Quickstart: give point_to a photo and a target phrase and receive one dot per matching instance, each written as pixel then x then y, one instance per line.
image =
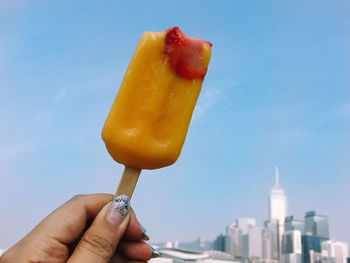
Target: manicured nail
pixel 144 232
pixel 155 253
pixel 119 209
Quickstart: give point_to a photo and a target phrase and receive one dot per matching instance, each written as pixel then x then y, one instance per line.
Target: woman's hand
pixel 88 228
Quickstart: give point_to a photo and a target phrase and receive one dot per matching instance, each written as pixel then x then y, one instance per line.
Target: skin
pixel 78 232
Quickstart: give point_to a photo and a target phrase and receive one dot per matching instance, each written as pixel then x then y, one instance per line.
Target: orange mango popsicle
pixel 148 121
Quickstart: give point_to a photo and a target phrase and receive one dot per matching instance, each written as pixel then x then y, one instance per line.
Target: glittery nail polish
pixel 119 209
pixel 155 253
pixel 144 232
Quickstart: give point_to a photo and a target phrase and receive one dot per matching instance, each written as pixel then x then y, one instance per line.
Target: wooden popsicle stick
pixel 128 181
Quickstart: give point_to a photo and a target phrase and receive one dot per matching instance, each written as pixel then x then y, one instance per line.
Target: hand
pixel 88 228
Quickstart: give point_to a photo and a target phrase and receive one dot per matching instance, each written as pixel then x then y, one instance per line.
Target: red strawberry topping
pixel 184 54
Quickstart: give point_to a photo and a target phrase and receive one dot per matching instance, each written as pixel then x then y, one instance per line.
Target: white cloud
pixel 205 102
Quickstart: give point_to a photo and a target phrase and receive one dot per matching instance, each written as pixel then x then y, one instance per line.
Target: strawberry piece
pixel 184 54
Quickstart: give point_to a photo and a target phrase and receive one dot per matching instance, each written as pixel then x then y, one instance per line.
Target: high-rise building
pixel 316 225
pixel 278 205
pixel 271 246
pixel 334 251
pixel 294 224
pixel 311 249
pixel 219 243
pixel 266 245
pixel 252 243
pixel 316 231
pixel 249 238
pixel 291 247
pixel 233 243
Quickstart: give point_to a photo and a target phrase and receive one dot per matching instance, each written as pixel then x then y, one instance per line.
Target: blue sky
pixel 276 93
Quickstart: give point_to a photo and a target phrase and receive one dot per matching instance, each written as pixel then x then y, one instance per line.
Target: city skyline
pixel 287 240
pixel 290 222
pixel 276 92
pixel 278 192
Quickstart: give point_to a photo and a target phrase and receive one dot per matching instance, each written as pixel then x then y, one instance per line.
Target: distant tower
pixel 278 203
pixel 278 207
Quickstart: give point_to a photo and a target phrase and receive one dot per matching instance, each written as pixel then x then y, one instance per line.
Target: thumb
pixel 99 242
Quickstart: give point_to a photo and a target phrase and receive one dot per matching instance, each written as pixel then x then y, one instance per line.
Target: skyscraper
pixel 252 243
pixel 291 247
pixel 219 243
pixel 316 231
pixel 311 249
pixel 278 202
pixel 334 251
pixel 316 225
pixel 278 207
pixel 233 244
pixel 271 247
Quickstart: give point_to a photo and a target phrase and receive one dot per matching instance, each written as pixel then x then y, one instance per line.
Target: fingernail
pixel 155 253
pixel 119 209
pixel 144 232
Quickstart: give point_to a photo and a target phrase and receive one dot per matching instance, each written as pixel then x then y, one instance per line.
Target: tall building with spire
pixel 278 207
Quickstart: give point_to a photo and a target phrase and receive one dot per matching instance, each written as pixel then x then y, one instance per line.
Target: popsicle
pixel 148 121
